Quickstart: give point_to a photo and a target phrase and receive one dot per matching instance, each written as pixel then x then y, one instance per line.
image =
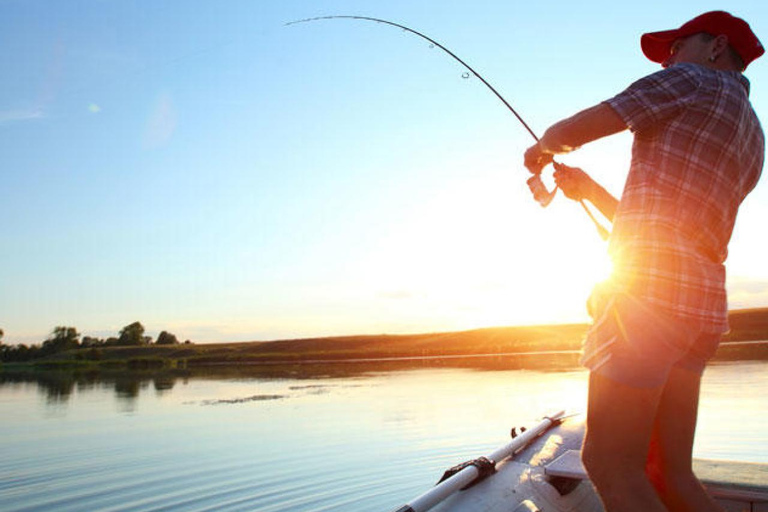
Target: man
pixel 698 151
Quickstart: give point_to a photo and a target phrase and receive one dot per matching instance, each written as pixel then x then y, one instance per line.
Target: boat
pixel 540 470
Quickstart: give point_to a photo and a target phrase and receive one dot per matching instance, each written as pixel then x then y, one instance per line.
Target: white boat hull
pixel 547 476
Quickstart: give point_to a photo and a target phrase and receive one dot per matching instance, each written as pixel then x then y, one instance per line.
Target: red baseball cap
pixel 656 45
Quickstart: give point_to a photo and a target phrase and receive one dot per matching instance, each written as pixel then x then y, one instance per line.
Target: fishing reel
pixel 544 197
pixel 539 190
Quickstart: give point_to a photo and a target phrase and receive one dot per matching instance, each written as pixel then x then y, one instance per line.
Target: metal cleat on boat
pixel 527 506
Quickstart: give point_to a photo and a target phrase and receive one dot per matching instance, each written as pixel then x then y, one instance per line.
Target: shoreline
pixel 749 350
pixel 748 339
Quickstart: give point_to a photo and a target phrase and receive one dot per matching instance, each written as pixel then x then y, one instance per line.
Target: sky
pixel 205 169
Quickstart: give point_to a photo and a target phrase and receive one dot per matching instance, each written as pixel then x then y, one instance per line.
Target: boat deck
pixel 737 486
pixel 547 476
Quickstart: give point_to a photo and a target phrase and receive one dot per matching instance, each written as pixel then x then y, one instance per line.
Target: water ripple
pixel 359 448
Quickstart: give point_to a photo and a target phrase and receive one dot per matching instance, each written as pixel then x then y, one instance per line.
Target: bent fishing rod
pixel 540 193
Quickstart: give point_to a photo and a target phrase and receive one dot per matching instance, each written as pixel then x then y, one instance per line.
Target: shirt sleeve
pixel 656 98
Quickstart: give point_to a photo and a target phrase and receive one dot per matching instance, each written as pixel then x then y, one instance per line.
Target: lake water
pixel 339 437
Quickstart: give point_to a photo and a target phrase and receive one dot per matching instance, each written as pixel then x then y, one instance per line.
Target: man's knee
pixel 589 455
pixel 596 460
pixel 607 467
pixel 657 475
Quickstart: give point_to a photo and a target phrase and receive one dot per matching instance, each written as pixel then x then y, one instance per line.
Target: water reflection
pixel 58 386
pixel 164 383
pixel 56 390
pixel 122 434
pixel 128 385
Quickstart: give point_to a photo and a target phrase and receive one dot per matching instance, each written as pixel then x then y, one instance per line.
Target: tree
pixel 111 342
pixel 3 348
pixel 166 338
pixel 62 338
pixel 20 353
pixel 132 334
pixel 90 341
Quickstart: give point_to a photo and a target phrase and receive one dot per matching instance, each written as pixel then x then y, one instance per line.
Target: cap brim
pixel 656 45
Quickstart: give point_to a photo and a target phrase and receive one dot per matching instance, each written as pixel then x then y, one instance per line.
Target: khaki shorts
pixel 633 343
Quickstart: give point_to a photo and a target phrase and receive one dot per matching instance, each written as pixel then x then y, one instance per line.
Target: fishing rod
pixel 537 187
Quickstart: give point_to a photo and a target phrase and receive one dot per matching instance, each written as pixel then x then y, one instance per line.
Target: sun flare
pixel 478 266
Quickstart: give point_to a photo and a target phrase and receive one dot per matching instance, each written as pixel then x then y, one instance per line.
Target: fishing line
pixel 540 193
pixel 431 41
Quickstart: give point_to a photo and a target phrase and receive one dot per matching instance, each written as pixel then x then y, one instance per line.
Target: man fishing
pixel 698 150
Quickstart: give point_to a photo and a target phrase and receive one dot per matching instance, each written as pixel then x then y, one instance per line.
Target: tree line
pixel 64 338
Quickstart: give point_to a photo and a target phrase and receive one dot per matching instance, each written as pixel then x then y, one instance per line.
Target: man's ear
pixel 719 46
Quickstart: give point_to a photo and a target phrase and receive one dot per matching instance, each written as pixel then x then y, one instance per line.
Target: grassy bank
pixel 746 325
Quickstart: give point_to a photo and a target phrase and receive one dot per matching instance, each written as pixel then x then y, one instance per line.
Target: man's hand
pixel 537 158
pixel 575 183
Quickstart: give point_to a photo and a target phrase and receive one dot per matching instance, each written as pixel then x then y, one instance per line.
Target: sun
pixel 495 261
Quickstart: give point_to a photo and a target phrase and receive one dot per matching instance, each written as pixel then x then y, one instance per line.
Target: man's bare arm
pixel 604 201
pixel 569 134
pixel 586 126
pixel 578 185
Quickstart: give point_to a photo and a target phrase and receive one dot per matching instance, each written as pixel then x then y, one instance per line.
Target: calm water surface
pixel 343 437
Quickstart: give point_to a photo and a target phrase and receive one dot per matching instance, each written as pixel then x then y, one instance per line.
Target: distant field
pixel 746 325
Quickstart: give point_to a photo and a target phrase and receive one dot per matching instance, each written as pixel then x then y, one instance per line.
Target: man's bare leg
pixel 670 457
pixel 620 421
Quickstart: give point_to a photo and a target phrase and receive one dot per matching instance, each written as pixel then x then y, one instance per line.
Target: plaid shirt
pixel 698 151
